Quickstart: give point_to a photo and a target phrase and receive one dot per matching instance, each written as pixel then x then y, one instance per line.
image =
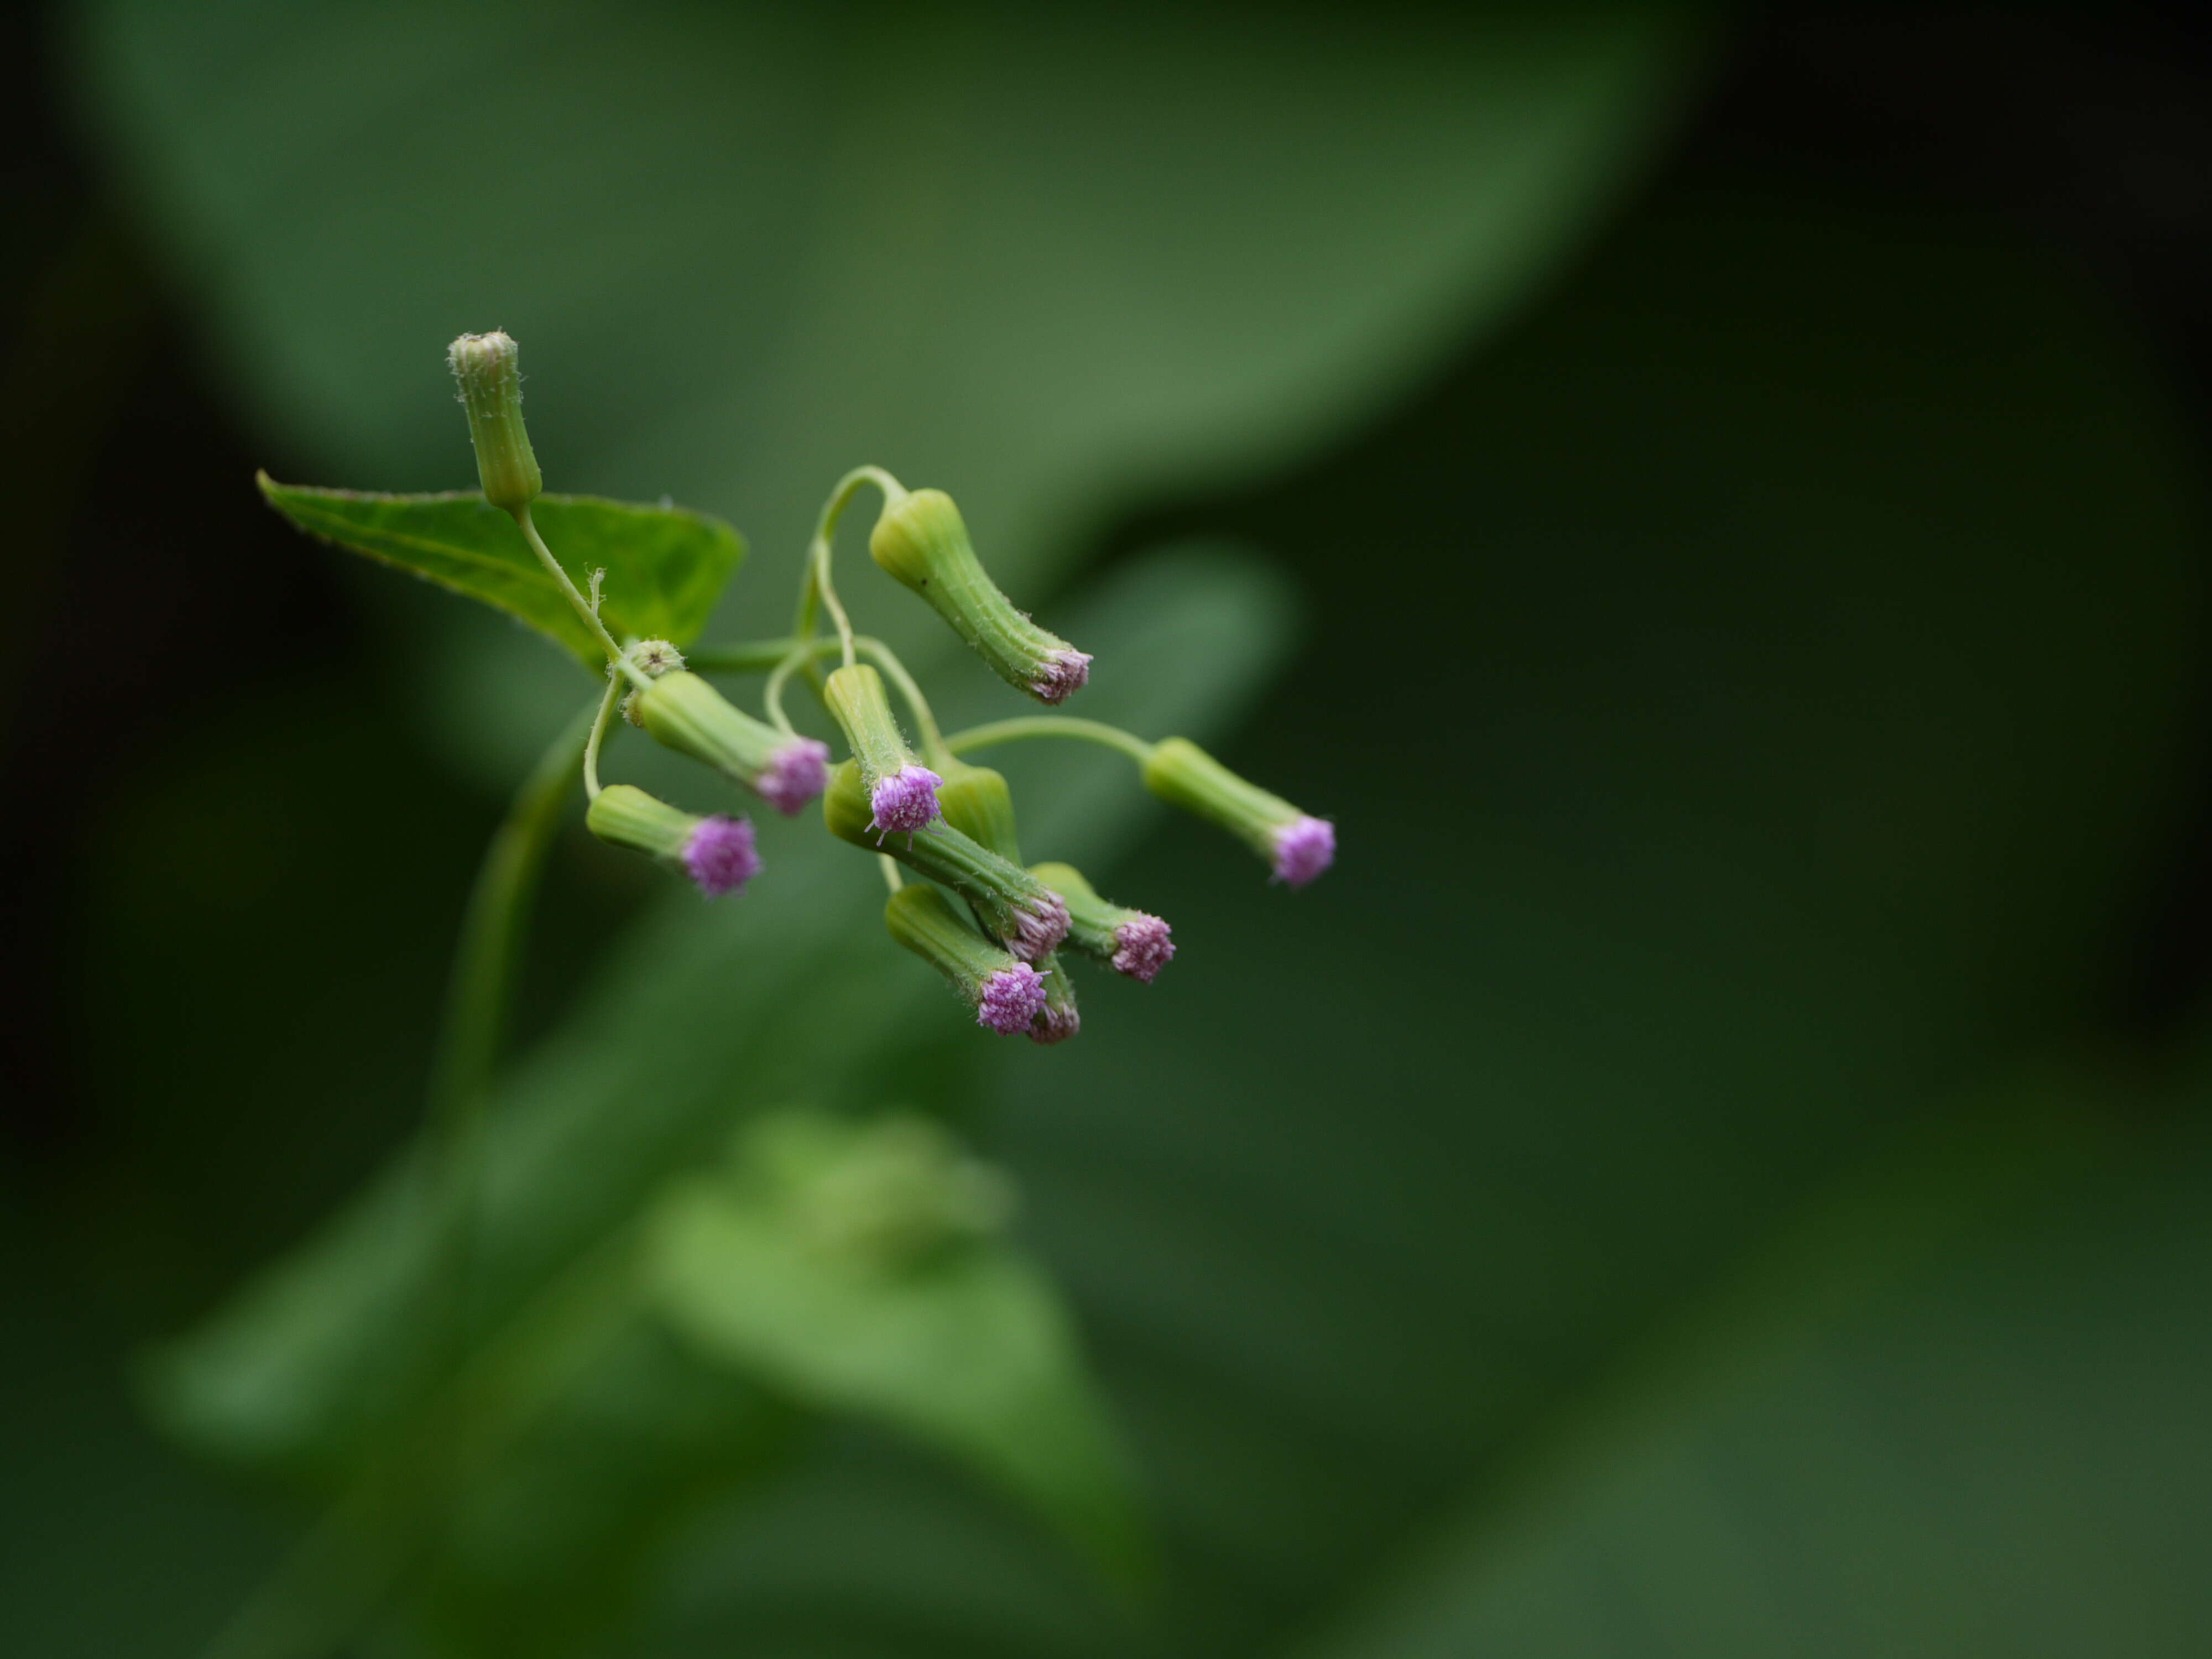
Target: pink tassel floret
pixel 1062 674
pixel 1055 1025
pixel 797 773
pixel 906 800
pixel 1142 948
pixel 1012 997
pixel 720 856
pixel 1039 926
pixel 1303 849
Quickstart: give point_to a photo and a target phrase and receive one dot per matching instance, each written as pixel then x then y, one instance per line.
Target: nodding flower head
pixel 717 853
pixel 922 540
pixel 1064 672
pixel 1303 849
pixel 1142 946
pixel 797 773
pixel 1027 917
pixel 1012 997
pixel 901 791
pixel 905 799
pixel 1058 1018
pixel 1006 995
pixel 1128 941
pixel 1297 845
pixel 684 712
pixel 486 366
pixel 720 856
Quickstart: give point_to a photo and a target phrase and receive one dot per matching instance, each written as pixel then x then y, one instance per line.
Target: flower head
pixel 1012 997
pixel 1303 849
pixel 904 800
pixel 1142 946
pixel 1040 922
pixel 797 773
pixel 720 856
pixel 1063 673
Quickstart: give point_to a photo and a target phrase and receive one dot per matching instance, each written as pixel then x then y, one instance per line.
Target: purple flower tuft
pixel 906 800
pixel 796 774
pixel 1054 1024
pixel 1143 947
pixel 720 856
pixel 1062 674
pixel 1012 997
pixel 1039 927
pixel 1303 849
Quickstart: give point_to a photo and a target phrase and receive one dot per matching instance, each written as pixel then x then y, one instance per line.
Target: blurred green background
pixel 1711 505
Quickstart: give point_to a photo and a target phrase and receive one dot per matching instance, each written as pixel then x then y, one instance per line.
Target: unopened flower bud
pixel 491 391
pixel 976 801
pixel 901 791
pixel 1023 913
pixel 716 853
pixel 1007 994
pixel 653 658
pixel 921 541
pixel 1297 847
pixel 1059 1019
pixel 684 712
pixel 1128 941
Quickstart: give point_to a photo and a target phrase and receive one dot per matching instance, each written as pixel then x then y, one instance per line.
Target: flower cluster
pixel 999 929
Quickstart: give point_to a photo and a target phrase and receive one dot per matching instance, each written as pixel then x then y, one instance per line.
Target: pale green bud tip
pixel 486 366
pixel 922 540
pixel 1297 845
pixel 652 658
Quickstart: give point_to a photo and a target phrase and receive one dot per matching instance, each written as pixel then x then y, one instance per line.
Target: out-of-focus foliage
pixel 1604 1216
pixel 664 566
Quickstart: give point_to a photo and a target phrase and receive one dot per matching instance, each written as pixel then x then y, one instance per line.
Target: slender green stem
pixel 598 736
pixel 584 610
pixel 933 740
pixel 744 657
pixel 1050 725
pixel 892 878
pixel 818 583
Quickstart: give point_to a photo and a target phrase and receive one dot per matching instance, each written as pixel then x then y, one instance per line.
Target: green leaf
pixel 665 565
pixel 946 1334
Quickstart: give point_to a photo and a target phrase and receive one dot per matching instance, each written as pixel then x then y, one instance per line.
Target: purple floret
pixel 1012 997
pixel 1054 1024
pixel 1062 674
pixel 797 773
pixel 1303 849
pixel 720 856
pixel 1143 947
pixel 1039 927
pixel 906 800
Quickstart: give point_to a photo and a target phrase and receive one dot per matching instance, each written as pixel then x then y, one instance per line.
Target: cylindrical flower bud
pixel 1297 847
pixel 1059 1019
pixel 491 391
pixel 1128 941
pixel 1027 917
pixel 685 713
pixel 901 791
pixel 1007 995
pixel 921 540
pixel 976 801
pixel 716 853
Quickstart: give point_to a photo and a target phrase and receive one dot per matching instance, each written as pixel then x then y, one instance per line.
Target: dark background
pixel 235 678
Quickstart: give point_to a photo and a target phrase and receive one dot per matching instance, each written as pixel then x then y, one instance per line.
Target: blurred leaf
pixel 1960 1411
pixel 664 566
pixel 835 1264
pixel 1041 256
